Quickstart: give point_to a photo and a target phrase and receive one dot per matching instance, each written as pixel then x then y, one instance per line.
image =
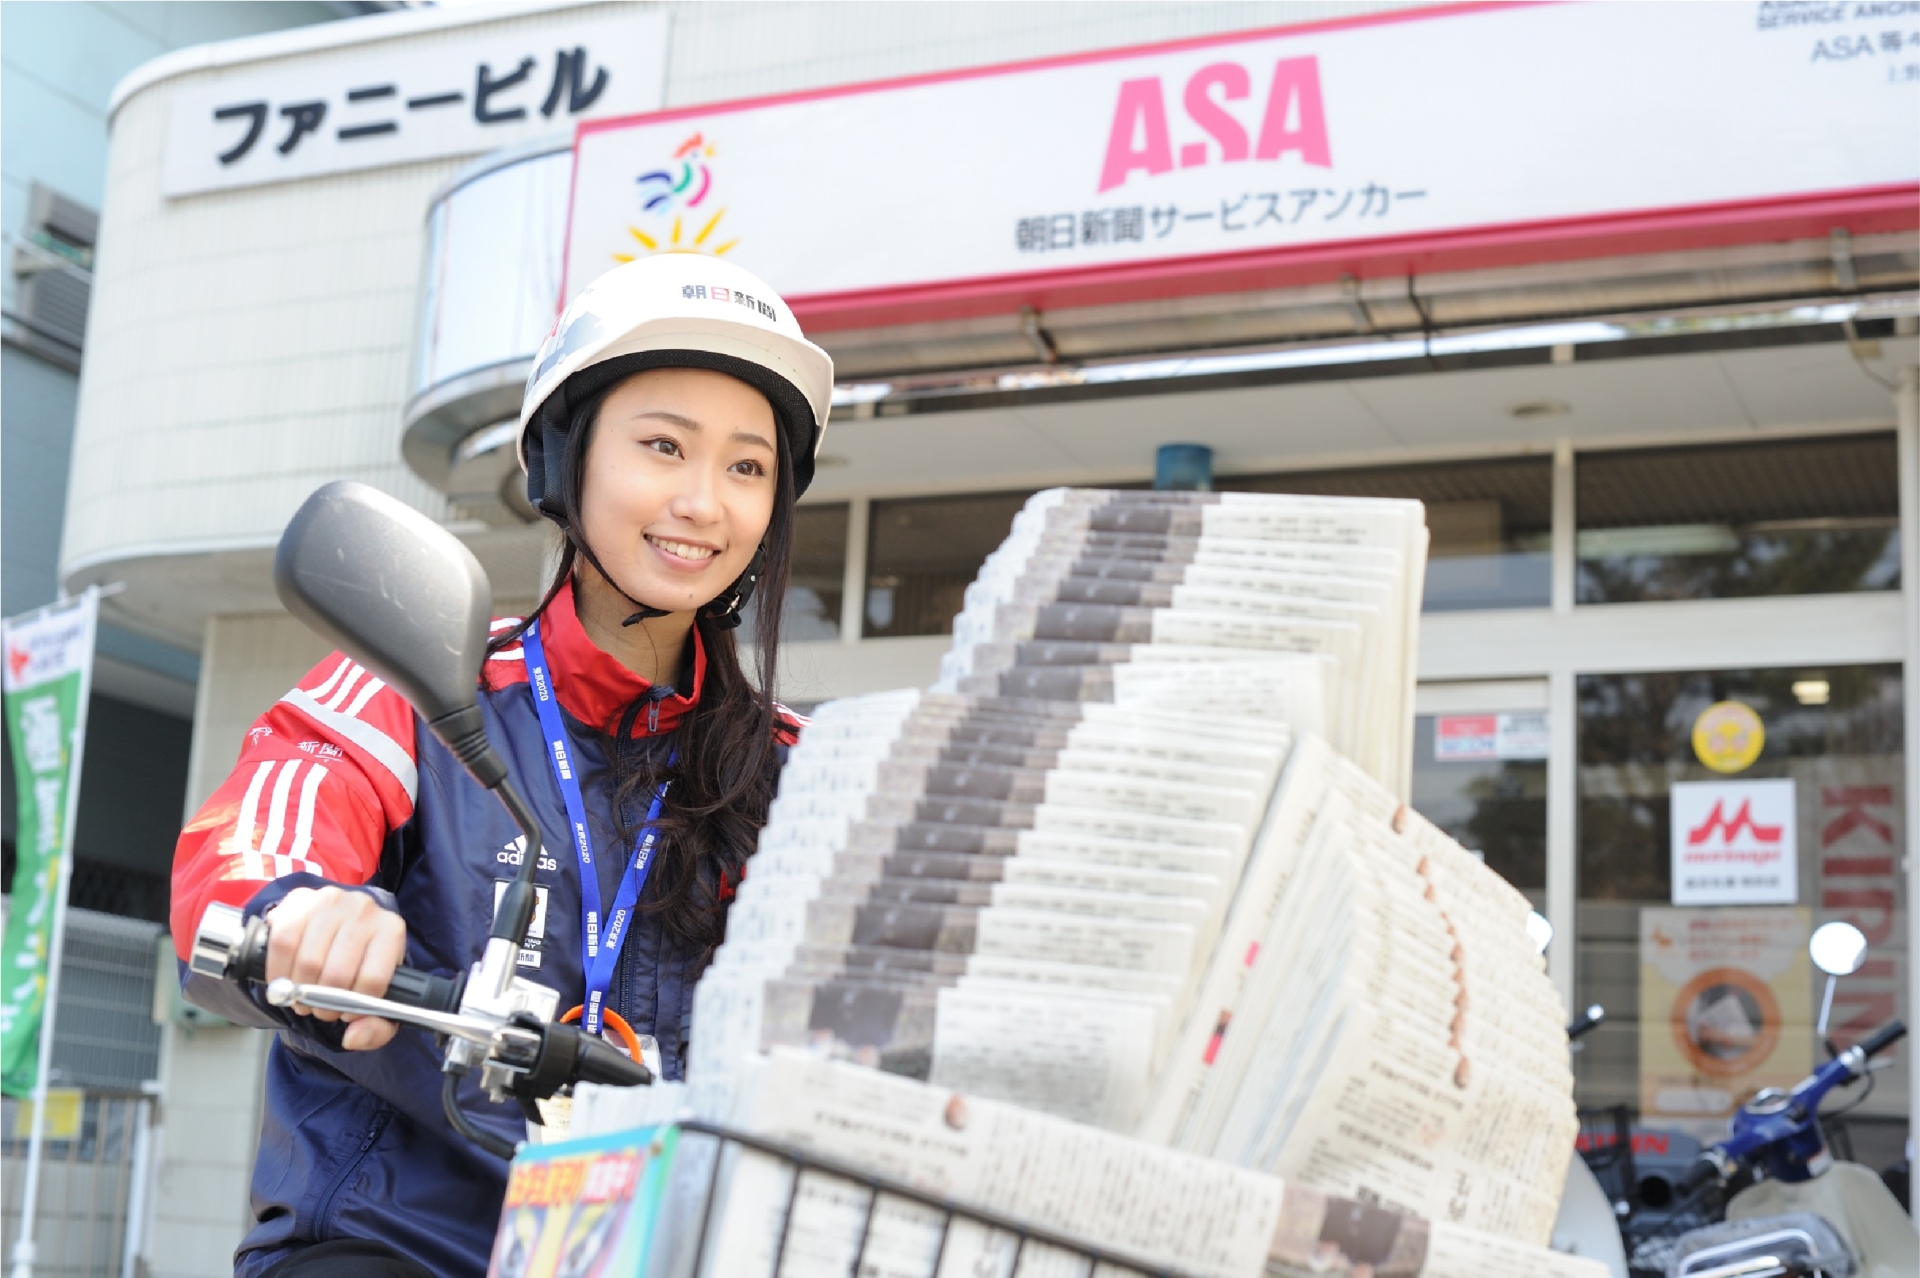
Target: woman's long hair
pixel 726 756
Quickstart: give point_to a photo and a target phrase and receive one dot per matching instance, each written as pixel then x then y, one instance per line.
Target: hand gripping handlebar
pixel 523 1052
pixel 230 947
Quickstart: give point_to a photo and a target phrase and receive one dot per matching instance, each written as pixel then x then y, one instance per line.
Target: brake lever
pixel 330 998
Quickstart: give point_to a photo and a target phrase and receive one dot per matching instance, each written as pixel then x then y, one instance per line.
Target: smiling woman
pixel 668 432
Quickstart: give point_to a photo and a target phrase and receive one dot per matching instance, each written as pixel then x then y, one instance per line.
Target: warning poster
pixel 1725 1010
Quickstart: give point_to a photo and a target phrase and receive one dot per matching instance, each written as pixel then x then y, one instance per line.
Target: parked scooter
pixel 1588 1222
pixel 1808 1215
pixel 407 601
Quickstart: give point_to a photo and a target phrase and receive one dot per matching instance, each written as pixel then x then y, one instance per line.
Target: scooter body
pixel 1866 1215
pixel 1586 1225
pixel 1807 1214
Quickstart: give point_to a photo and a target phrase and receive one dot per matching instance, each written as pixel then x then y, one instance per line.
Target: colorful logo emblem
pixel 675 197
pixel 1728 736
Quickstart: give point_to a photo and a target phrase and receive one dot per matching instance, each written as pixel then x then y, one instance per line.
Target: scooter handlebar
pixel 234 948
pixel 1889 1034
pixel 1698 1175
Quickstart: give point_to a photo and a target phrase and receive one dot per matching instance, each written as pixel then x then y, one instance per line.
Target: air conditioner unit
pixel 53 264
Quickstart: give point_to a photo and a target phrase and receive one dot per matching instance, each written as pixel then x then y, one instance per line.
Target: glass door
pixel 1480 773
pixel 1723 814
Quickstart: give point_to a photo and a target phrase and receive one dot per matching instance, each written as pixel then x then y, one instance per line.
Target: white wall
pixel 209 1124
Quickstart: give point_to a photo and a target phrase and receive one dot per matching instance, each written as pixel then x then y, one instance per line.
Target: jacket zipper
pixel 373 1135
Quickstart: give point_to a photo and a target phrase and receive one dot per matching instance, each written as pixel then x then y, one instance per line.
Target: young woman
pixel 670 424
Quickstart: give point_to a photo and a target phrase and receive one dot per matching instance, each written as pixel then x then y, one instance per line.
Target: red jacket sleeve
pixel 325 775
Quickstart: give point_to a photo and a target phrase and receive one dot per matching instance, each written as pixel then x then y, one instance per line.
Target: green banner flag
pixel 48 660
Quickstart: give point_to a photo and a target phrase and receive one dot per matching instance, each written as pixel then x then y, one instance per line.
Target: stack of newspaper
pixel 1014 896
pixel 1375 1021
pixel 1153 578
pixel 1141 860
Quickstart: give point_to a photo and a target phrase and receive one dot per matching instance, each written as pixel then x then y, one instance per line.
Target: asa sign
pixel 1294 119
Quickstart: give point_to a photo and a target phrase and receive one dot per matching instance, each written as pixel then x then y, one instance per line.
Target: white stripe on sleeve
pixel 333 678
pixel 242 839
pixel 277 808
pixel 346 686
pixel 303 822
pixel 365 695
pixel 390 754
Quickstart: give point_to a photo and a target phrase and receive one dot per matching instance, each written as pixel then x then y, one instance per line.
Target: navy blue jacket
pixel 340 783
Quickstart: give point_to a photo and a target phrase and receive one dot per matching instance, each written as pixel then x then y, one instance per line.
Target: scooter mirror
pixel 392 589
pixel 1838 949
pixel 1539 931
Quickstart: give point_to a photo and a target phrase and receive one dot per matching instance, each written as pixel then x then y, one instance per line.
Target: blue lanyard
pixel 599 948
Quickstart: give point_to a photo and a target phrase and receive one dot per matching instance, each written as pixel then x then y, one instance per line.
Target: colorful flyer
pixel 1725 1010
pixel 584 1208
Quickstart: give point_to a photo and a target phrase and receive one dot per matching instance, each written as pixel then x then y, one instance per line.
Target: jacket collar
pixel 596 689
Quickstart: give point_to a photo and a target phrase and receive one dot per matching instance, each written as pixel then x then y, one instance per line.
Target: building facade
pixel 59 64
pixel 1665 429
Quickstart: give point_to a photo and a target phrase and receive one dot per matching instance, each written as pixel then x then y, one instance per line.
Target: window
pixel 924 552
pixel 1491 523
pixel 1707 1002
pixel 1797 517
pixel 1483 779
pixel 816 578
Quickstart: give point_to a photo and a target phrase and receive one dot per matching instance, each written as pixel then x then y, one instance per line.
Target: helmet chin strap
pixel 723 611
pixel 644 611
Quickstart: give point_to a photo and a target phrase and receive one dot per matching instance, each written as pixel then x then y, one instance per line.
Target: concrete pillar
pixel 1907 410
pixel 209 1124
pixel 211 1076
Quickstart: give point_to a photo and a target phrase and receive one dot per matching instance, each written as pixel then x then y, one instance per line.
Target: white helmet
pixel 673 310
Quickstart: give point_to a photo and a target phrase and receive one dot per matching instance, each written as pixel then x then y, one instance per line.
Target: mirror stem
pixel 1826 1009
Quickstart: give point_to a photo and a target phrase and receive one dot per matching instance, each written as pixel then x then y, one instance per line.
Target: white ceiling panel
pixel 1244 426
pixel 938 451
pixel 1809 385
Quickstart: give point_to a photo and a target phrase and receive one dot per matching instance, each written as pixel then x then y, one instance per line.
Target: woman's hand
pixel 329 936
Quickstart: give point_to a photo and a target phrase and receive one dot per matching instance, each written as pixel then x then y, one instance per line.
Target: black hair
pixel 727 758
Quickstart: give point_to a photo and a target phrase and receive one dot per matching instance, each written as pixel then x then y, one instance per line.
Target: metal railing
pixel 92 1186
pixel 1086 1257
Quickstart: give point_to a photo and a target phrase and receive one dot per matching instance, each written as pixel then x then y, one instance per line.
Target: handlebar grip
pixel 1587 1020
pixel 599 1062
pixel 424 990
pixel 410 987
pixel 1697 1175
pixel 1889 1034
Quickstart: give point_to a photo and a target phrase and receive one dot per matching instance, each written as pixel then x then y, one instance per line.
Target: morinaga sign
pixel 422 96
pixel 1447 137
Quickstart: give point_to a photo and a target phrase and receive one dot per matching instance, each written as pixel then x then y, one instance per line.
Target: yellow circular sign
pixel 1728 736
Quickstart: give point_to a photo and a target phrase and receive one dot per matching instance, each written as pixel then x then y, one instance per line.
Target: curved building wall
pixel 244 347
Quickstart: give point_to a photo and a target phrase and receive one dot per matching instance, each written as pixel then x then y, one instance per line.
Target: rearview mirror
pixel 1838 949
pixel 390 588
pixel 1539 931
